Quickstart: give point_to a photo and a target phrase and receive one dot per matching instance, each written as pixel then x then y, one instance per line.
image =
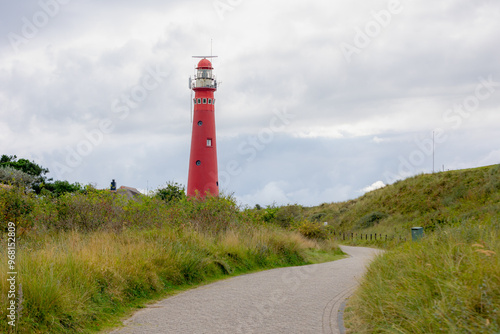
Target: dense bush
pixel 318 217
pixel 92 210
pixel 12 176
pixel 172 193
pixel 213 214
pixel 89 212
pixel 370 219
pixel 312 230
pixel 58 188
pixel 16 206
pixel 269 214
pixel 289 215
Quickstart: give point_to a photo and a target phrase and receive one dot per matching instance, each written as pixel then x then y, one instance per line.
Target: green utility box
pixel 417 233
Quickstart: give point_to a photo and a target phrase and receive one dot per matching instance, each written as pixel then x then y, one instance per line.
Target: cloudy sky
pixel 319 100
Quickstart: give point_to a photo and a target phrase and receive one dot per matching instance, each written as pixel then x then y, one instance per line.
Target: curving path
pixel 301 300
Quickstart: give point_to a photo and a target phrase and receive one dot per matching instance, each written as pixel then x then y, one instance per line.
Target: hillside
pixel 449 281
pixel 426 200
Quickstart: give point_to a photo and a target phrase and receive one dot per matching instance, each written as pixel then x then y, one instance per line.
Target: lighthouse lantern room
pixel 203 175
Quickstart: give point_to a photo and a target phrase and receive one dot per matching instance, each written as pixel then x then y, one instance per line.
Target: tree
pixel 27 167
pixel 23 165
pixel 29 174
pixel 173 192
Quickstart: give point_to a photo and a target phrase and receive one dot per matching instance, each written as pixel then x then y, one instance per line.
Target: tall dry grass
pixel 84 260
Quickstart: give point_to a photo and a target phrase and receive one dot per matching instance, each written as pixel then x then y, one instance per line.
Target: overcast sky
pixel 319 100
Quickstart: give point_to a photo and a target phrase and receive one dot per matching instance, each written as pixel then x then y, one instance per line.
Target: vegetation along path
pixel 302 299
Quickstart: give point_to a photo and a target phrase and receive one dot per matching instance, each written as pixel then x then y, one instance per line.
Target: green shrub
pixel 172 193
pixel 318 216
pixel 58 188
pixel 212 214
pixel 269 215
pixel 370 219
pixel 16 205
pixel 312 230
pixel 93 211
pixel 289 215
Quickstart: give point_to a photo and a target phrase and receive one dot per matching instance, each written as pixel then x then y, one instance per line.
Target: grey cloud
pixel 64 82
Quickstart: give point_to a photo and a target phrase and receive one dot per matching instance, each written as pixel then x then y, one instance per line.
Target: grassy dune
pixel 86 260
pixel 428 200
pixel 449 282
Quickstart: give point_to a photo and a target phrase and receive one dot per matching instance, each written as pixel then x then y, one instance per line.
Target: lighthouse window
pixel 213 101
pixel 198 162
pixel 199 101
pixel 200 123
pixel 194 100
pixel 209 101
pixel 204 101
pixel 209 142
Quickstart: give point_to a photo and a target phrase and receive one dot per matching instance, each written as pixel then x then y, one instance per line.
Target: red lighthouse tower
pixel 203 176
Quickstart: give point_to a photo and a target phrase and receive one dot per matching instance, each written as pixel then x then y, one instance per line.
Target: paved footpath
pixel 301 300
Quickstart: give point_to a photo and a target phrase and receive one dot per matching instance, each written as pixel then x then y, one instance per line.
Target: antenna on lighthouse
pixel 205 56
